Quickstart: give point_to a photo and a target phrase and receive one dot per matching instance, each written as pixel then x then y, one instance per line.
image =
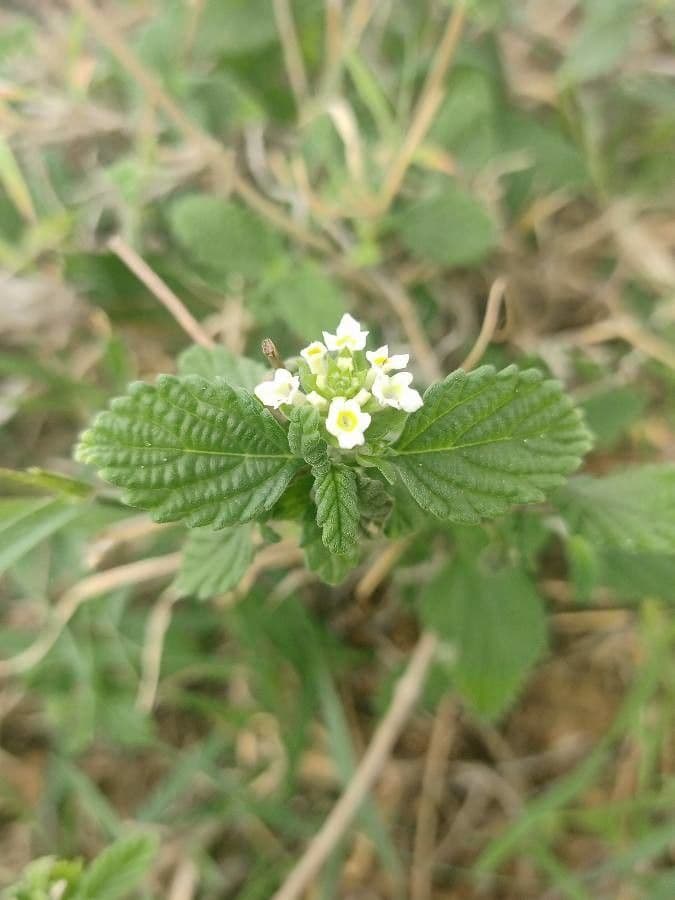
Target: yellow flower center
pixel 348 420
pixel 314 351
pixel 380 360
pixel 343 341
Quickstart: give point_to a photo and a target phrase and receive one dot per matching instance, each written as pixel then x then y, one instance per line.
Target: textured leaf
pixel 214 561
pixel 304 434
pixel 25 522
pixel 337 505
pixel 237 371
pixel 452 229
pixel 633 509
pixel 118 869
pixel 186 449
pixel 330 567
pixel 486 440
pixel 497 624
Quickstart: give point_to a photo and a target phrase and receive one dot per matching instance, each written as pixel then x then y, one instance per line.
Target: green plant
pixel 111 876
pixel 350 445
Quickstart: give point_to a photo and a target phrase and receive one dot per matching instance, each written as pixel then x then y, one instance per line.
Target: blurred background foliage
pixel 278 163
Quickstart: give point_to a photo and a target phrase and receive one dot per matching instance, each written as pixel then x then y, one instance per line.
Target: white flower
pixel 314 356
pixel 282 390
pixel 380 359
pixel 347 423
pixel 348 336
pixel 395 391
pixel 317 400
pixel 363 397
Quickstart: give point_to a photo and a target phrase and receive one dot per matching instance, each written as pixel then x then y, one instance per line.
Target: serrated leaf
pixel 329 567
pixel 337 506
pixel 187 449
pixel 119 868
pixel 223 236
pixel 451 229
pixel 486 440
pixel 633 509
pixel 219 362
pixel 497 625
pixel 304 434
pixel 214 561
pixel 25 522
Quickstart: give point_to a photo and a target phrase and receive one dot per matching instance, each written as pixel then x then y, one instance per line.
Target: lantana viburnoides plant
pixel 337 440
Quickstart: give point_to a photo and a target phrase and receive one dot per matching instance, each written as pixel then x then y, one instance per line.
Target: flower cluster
pixel 345 382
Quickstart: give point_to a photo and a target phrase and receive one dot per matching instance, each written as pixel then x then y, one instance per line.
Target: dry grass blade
pixel 162 291
pixel 92 586
pixel 427 106
pixel 440 743
pixel 341 816
pixel 489 326
pixel 153 649
pixel 215 154
pixel 290 45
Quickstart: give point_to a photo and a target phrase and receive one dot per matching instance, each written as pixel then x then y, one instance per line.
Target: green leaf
pixel 497 624
pixel 385 424
pixel 633 509
pixel 486 440
pixel 465 123
pixel 214 561
pixel 235 27
pixel 295 501
pixel 219 362
pixel 330 567
pixel 337 506
pixel 224 237
pixel 304 434
pixel 25 522
pixel 186 449
pixel 609 414
pixel 306 299
pixel 635 576
pixel 602 42
pixel 406 516
pixel 374 499
pixel 119 868
pixel 452 228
